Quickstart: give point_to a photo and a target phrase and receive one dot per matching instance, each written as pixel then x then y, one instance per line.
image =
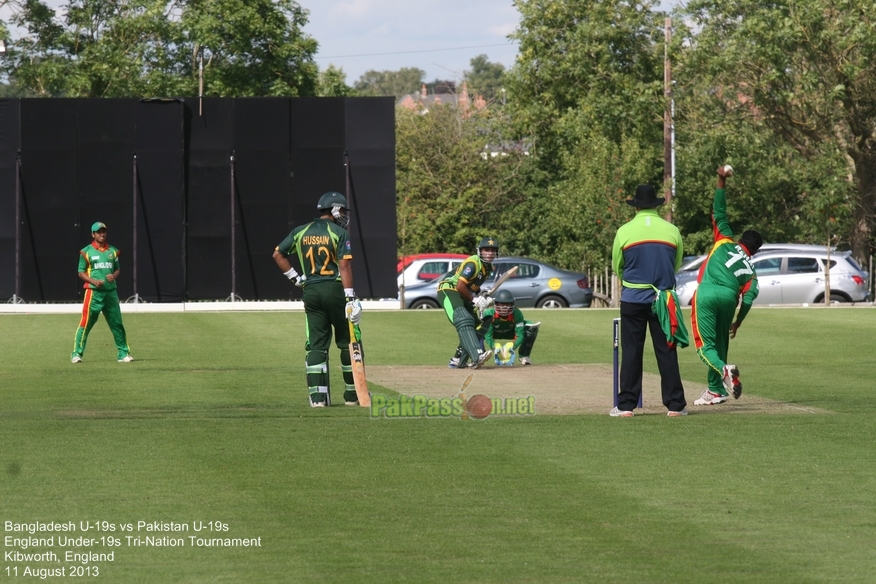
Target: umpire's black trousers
pixel 635 320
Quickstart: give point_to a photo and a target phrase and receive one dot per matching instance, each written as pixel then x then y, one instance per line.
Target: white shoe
pixel 76 359
pixel 674 414
pixel 454 363
pixel 126 359
pixel 731 381
pixel 319 404
pixel 525 361
pixel 710 399
pixel 616 413
pixel 351 403
pixel 481 358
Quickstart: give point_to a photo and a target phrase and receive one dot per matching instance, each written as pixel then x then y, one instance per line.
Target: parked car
pixel 535 284
pixel 426 267
pixel 794 274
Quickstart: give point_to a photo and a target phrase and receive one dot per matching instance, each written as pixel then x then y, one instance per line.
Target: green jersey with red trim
pixel 99 262
pixel 728 264
pixel 504 327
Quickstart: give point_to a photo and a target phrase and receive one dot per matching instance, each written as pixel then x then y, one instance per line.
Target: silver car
pixel 535 284
pixel 796 275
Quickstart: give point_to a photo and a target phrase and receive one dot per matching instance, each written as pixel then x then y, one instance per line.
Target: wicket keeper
pixel 507 332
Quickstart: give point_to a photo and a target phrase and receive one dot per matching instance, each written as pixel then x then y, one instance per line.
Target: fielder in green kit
pixel 324 253
pixel 726 275
pixel 99 269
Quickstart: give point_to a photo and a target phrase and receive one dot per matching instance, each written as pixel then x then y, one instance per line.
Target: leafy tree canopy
pixel 123 48
pixel 485 78
pixel 333 83
pixel 396 83
pixel 805 71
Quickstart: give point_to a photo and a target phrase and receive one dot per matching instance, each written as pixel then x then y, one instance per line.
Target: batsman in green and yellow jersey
pixel 99 269
pixel 725 276
pixel 458 293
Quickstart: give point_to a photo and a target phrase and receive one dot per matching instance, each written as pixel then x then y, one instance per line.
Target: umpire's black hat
pixel 646 198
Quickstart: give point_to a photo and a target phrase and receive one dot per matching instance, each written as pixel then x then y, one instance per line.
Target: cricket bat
pixel 502 279
pixel 358 363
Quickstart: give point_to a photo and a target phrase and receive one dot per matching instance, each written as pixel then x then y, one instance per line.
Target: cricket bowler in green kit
pixel 457 293
pixel 323 250
pixel 726 275
pixel 99 269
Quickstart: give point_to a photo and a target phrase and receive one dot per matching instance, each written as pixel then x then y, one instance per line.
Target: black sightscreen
pixel 51 234
pixel 104 143
pixel 9 123
pixel 370 141
pixel 261 163
pixel 263 189
pixel 160 193
pixel 210 142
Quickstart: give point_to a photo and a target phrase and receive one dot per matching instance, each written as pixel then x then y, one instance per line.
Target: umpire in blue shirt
pixel 647 252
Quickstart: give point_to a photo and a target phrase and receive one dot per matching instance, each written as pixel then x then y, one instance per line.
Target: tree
pixel 451 188
pixel 806 70
pixel 396 83
pixel 333 83
pixel 124 48
pixel 597 62
pixel 485 78
pixel 587 92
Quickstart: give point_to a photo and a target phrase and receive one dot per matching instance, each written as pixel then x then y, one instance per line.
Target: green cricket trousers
pixel 98 301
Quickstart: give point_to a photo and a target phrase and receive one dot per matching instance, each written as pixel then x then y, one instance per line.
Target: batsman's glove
pixel 293 275
pixel 481 302
pixel 353 307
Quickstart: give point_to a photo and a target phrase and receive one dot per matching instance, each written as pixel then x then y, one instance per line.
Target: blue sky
pixel 437 36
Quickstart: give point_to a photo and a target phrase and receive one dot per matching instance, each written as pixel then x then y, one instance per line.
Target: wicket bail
pixel 616 372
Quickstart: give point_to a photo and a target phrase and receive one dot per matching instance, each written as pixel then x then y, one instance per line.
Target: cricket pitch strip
pixel 561 389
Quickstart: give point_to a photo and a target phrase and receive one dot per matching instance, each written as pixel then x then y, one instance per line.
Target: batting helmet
pixel 336 204
pixel 484 246
pixel 504 302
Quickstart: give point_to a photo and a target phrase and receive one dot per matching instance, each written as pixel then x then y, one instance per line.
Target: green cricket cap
pixel 97 226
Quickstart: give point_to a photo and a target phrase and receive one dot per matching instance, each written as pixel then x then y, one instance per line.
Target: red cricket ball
pixel 479 406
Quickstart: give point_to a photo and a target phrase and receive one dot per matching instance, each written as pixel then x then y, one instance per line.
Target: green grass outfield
pixel 211 424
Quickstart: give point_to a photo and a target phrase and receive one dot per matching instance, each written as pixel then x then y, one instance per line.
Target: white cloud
pixel 503 30
pixel 352 8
